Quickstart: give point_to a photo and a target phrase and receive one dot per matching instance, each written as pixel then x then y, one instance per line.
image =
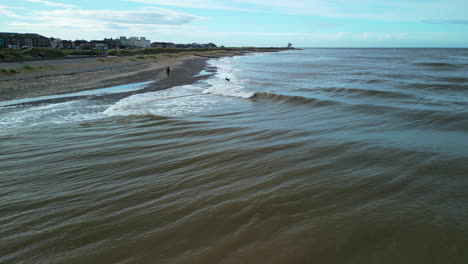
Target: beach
pixel 59 76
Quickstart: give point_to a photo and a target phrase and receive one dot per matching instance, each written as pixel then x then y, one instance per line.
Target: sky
pixel 265 23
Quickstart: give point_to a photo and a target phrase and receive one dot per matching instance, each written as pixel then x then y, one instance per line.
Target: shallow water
pixel 308 156
pixel 102 91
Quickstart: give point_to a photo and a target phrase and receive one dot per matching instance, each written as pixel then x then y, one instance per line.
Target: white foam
pixel 209 95
pixel 203 73
pixel 218 84
pixel 234 87
pixel 188 99
pixel 174 102
pixel 58 113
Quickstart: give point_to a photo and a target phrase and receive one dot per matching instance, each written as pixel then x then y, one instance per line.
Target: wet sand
pixel 59 76
pixel 67 76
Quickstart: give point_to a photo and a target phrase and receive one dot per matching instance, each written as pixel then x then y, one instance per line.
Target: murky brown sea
pixel 284 177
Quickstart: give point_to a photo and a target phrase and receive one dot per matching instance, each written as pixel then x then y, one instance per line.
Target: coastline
pixel 52 77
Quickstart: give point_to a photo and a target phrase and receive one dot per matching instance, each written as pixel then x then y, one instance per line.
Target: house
pixel 134 42
pixel 82 44
pixel 99 44
pixel 195 45
pixel 163 45
pixel 23 40
pixel 183 46
pixel 56 43
pixel 111 43
pixel 67 44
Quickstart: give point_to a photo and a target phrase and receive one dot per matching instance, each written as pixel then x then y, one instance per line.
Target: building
pixel 210 45
pixel 99 44
pixel 111 43
pixel 18 40
pixel 56 43
pixel 67 44
pixel 196 45
pixel 183 46
pixel 82 44
pixel 163 45
pixel 134 42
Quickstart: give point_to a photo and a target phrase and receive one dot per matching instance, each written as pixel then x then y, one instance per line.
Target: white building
pixel 134 42
pixel 56 43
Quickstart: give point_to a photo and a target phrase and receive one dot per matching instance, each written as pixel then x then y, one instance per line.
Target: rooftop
pixel 19 35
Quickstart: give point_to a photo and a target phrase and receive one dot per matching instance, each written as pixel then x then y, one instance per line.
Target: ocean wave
pixel 439 86
pixel 454 79
pixel 172 102
pixel 355 92
pixel 45 114
pixel 376 58
pixel 427 118
pixel 436 119
pixel 287 99
pixel 440 65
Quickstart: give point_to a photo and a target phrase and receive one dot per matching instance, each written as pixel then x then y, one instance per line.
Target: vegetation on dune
pixel 82 52
pixel 107 59
pixel 46 52
pixel 11 54
pixel 189 51
pixel 34 53
pixel 27 67
pixel 8 71
pixel 30 53
pixel 75 52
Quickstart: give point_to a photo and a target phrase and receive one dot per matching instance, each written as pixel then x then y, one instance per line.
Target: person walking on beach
pixel 168 71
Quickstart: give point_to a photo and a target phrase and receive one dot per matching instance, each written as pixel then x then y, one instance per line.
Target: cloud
pixel 117 26
pixel 142 17
pixel 322 23
pixel 27 25
pixel 78 23
pixel 396 10
pixel 4 10
pixel 197 4
pixel 48 3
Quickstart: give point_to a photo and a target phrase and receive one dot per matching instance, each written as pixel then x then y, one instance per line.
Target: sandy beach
pixel 59 76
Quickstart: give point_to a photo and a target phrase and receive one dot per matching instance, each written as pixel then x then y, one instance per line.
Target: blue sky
pixel 312 23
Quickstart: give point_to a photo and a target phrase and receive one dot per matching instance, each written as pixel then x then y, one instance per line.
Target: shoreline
pixel 54 77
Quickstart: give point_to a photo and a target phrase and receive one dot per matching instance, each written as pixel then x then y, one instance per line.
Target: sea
pixel 303 156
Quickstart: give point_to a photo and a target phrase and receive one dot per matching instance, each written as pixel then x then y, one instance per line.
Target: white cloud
pixel 205 4
pixel 396 10
pixel 48 3
pixel 87 24
pixel 4 10
pixel 147 17
pixel 365 35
